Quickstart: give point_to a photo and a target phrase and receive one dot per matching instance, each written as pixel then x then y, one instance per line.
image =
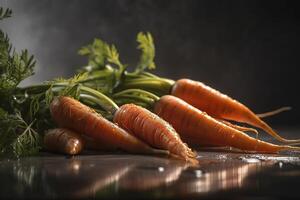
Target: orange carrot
pixel 219 105
pixel 274 112
pixel 150 128
pixel 240 128
pixel 63 141
pixel 196 125
pixel 92 144
pixel 70 113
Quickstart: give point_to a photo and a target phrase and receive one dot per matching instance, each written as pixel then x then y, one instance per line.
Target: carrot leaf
pixel 17 137
pixel 5 13
pixel 95 53
pixel 112 56
pixel 14 67
pixel 146 45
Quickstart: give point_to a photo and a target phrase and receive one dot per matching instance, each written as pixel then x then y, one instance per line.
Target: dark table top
pixel 220 174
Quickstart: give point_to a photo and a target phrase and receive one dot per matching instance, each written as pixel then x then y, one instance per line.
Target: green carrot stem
pixel 93 102
pixel 140 75
pixel 105 102
pixel 99 75
pixel 90 100
pixel 154 79
pixel 149 74
pixel 157 86
pixel 136 99
pixel 138 91
pixel 134 75
pixel 34 89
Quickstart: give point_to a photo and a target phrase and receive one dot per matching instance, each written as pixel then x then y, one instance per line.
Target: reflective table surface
pixel 221 174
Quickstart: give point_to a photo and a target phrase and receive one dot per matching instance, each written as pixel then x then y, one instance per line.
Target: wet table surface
pixel 221 174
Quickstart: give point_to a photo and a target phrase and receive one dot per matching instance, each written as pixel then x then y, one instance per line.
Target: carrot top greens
pixel 146 45
pixel 24 111
pixel 17 136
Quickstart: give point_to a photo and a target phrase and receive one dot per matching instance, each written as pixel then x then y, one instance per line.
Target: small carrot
pixel 152 129
pixel 201 128
pixel 219 105
pixel 63 141
pixel 70 113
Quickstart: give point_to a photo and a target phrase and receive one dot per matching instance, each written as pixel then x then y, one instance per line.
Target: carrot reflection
pixel 231 176
pixel 152 175
pixel 83 178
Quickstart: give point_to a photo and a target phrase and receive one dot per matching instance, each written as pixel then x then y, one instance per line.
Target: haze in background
pixel 247 49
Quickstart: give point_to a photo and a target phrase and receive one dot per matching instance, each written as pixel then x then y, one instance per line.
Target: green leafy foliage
pixel 14 67
pixel 17 138
pixel 35 104
pixel 95 53
pixel 112 57
pixel 146 45
pixel 5 13
pixel 71 90
pixel 77 78
pixel 99 54
pixel 103 59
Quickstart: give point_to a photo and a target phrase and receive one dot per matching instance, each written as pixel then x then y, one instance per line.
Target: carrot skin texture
pixel 70 113
pixel 202 129
pixel 219 105
pixel 152 129
pixel 240 128
pixel 64 141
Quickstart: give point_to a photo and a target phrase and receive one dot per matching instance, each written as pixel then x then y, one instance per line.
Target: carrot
pixel 150 128
pixel 70 113
pixel 63 141
pixel 196 125
pixel 92 144
pixel 274 112
pixel 219 105
pixel 240 128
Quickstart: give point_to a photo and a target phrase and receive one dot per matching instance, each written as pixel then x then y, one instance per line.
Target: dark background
pixel 246 49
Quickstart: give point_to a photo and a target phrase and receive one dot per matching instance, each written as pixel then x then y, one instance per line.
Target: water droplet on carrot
pixel 198 173
pixel 161 169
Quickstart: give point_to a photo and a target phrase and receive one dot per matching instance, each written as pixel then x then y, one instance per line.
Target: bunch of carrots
pixel 106 107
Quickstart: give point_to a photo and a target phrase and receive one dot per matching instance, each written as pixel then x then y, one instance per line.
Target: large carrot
pixel 199 127
pixel 70 113
pixel 152 129
pixel 219 105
